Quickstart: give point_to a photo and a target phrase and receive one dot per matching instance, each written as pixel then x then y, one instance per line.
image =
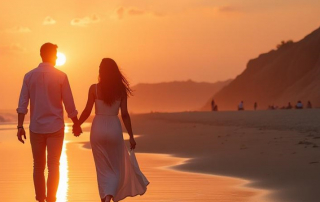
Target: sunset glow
pixel 152 41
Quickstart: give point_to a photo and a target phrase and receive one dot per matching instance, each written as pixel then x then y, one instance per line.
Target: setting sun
pixel 61 59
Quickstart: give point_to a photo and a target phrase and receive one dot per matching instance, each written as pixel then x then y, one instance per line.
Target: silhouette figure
pixel 118 172
pixel 215 108
pixel 255 106
pixel 212 105
pixel 309 105
pixel 46 88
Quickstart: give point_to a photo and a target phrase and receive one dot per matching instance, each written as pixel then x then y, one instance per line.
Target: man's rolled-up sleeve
pixel 67 98
pixel 24 98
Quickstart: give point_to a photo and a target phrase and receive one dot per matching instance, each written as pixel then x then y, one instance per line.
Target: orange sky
pixel 152 41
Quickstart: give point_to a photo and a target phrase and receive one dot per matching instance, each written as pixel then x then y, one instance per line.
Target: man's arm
pixel 69 105
pixel 22 110
pixel 67 99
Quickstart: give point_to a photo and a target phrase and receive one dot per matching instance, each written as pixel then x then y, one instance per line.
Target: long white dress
pixel 118 173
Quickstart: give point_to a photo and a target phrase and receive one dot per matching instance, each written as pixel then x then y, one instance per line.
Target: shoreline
pixel 216 187
pixel 262 194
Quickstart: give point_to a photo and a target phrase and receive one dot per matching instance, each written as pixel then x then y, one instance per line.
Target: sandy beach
pixel 257 156
pixel 276 150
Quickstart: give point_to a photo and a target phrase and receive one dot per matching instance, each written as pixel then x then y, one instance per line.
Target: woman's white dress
pixel 118 173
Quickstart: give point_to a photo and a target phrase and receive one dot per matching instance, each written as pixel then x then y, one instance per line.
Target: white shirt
pixel 46 88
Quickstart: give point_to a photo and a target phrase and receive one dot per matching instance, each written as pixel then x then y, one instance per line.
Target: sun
pixel 61 59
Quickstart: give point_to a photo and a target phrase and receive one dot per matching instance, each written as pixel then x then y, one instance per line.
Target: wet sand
pixel 78 179
pixel 168 184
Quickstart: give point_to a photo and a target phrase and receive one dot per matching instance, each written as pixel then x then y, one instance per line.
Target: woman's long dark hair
pixel 113 84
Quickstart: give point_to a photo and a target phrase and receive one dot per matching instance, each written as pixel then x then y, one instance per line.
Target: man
pixel 46 88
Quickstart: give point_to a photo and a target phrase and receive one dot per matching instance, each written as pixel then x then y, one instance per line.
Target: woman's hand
pixel 132 143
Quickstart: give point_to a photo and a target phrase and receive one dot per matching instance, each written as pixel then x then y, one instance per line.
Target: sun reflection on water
pixel 62 193
pixel 66 129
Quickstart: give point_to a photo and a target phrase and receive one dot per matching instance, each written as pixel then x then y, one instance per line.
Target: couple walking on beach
pixel 47 88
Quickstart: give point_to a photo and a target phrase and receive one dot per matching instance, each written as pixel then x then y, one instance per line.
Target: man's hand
pixel 21 133
pixel 76 130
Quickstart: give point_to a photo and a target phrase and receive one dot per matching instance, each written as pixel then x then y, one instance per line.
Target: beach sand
pixel 78 177
pixel 266 156
pixel 276 150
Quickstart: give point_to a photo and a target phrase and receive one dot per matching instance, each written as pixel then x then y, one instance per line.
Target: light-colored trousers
pixel 52 144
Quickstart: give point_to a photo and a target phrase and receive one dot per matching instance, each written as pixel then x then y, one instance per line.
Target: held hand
pixel 76 130
pixel 132 143
pixel 21 133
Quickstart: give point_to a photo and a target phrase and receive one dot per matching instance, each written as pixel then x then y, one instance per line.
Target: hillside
pixel 172 96
pixel 288 74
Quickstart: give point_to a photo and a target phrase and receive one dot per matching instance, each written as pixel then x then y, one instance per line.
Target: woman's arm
pixel 127 121
pixel 87 110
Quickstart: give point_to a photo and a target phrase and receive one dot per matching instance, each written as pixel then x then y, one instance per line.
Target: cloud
pixel 158 14
pixel 134 11
pixel 49 21
pixel 83 22
pixel 228 9
pixel 13 48
pixel 18 29
pixel 121 12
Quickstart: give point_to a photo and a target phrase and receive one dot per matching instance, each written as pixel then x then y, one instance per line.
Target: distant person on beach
pixel 289 106
pixel 212 105
pixel 255 105
pixel 46 88
pixel 215 108
pixel 240 106
pixel 118 173
pixel 299 105
pixel 309 105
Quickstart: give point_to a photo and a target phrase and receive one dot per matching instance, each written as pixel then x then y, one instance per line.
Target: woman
pixel 118 174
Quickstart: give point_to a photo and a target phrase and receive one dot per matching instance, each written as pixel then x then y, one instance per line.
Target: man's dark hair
pixel 48 49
